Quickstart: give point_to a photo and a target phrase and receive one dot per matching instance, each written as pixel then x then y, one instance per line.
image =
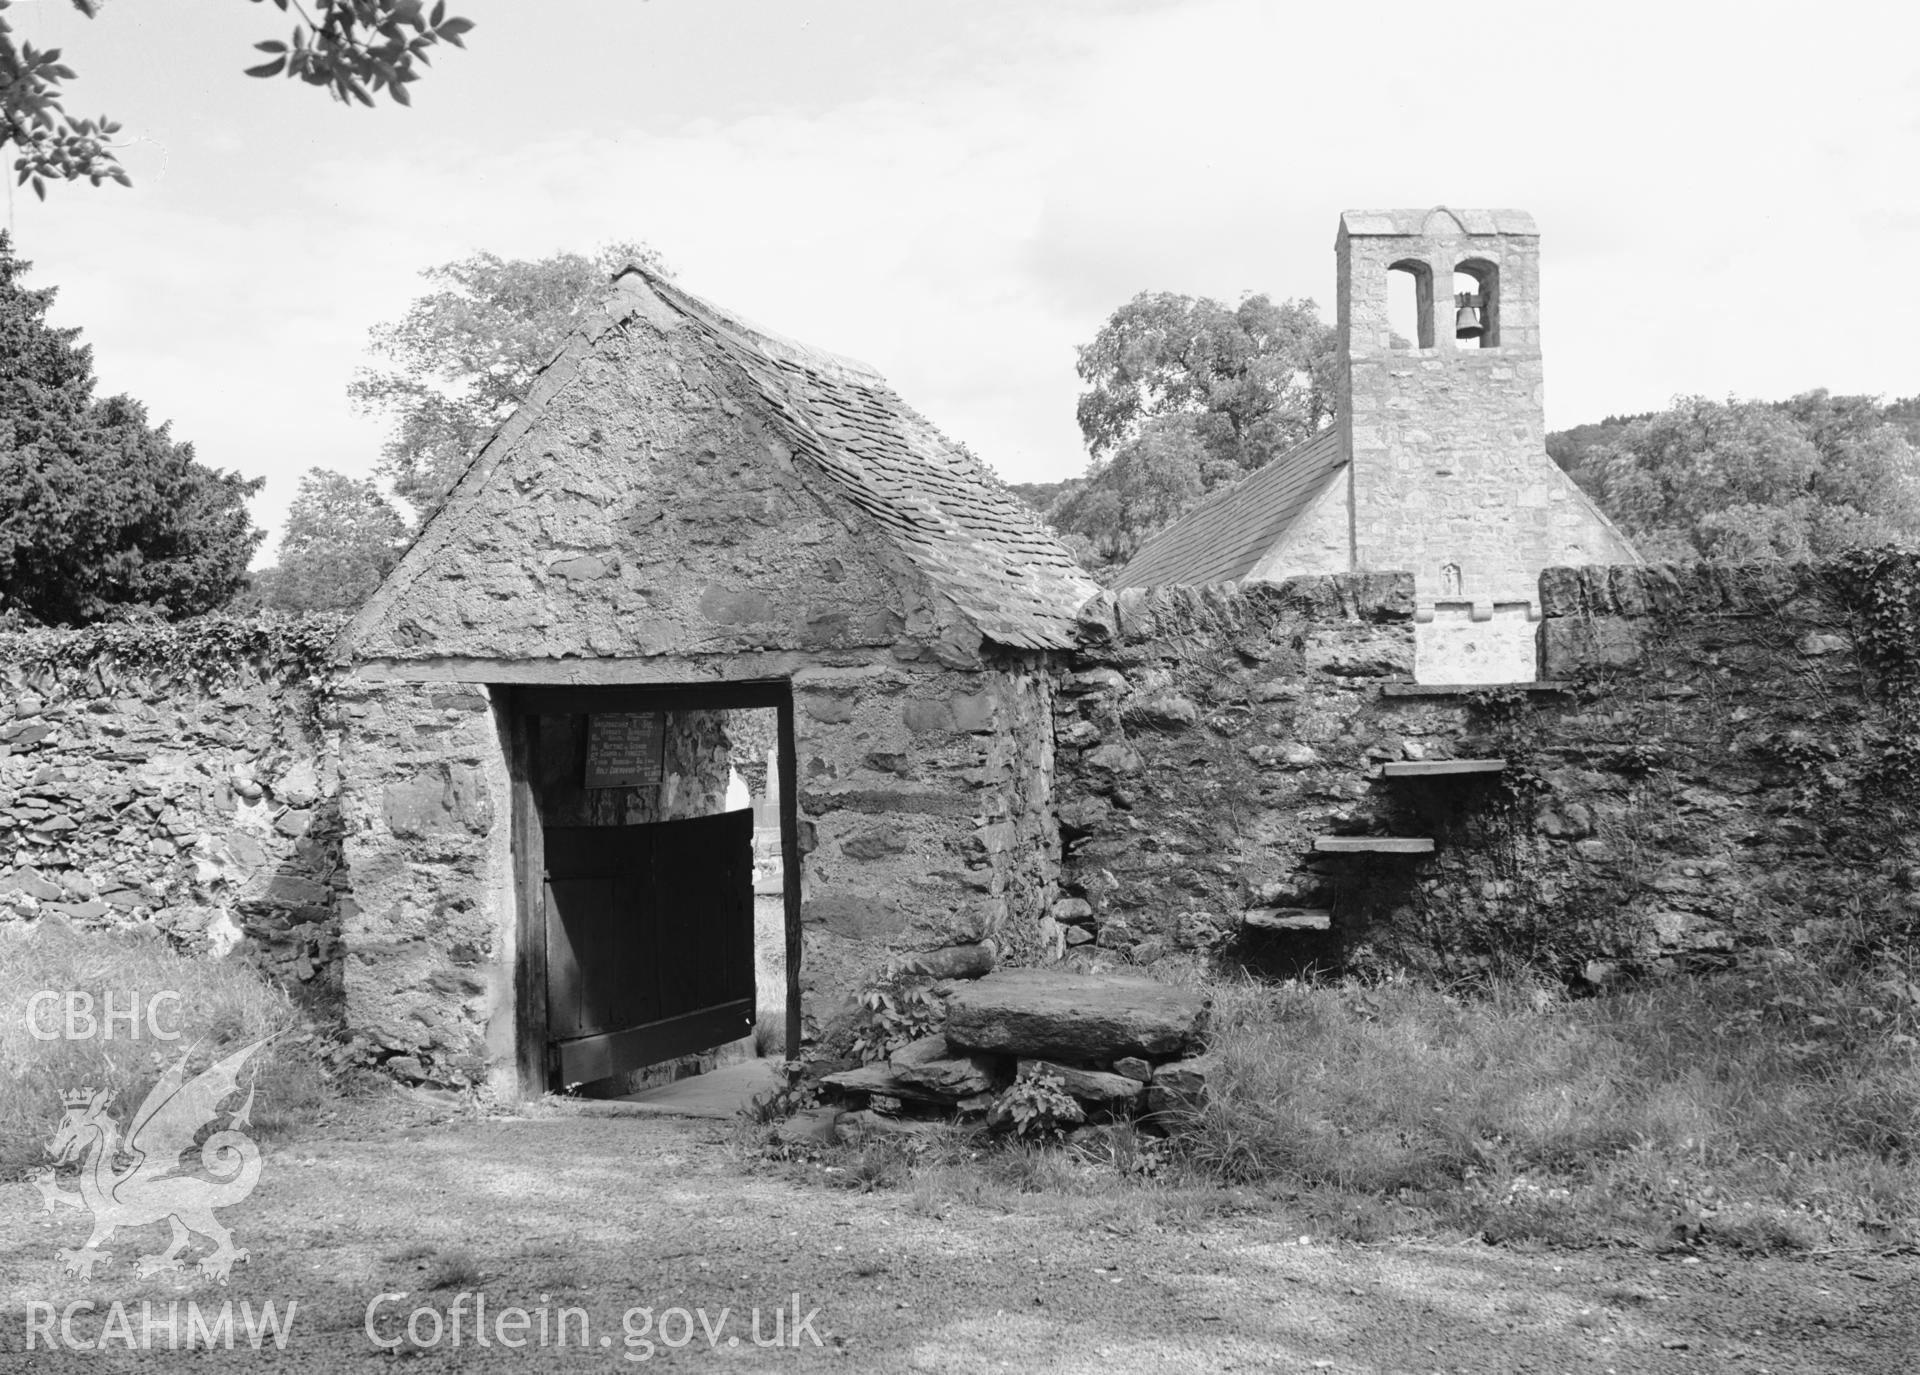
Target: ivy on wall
pixel 1882 587
pixel 211 650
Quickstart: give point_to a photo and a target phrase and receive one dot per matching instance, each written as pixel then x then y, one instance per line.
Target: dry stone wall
pixel 181 780
pixel 1713 771
pixel 1204 736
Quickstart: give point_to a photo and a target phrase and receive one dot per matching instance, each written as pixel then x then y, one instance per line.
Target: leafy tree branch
pixel 353 48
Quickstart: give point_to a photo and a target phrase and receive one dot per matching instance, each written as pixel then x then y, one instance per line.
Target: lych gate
pixel 689 520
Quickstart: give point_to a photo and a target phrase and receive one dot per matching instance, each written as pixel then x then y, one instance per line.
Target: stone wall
pixel 181 780
pixel 920 824
pixel 1713 773
pixel 429 922
pixel 1709 767
pixel 1726 773
pixel 1204 737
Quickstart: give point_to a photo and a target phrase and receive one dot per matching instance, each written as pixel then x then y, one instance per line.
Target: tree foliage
pixel 1744 480
pixel 464 355
pixel 342 537
pixel 1184 394
pixel 353 48
pixel 99 510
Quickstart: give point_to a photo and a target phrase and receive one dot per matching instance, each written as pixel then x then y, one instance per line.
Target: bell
pixel 1466 316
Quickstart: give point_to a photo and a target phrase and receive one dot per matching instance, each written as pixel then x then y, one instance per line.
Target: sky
pixel 959 192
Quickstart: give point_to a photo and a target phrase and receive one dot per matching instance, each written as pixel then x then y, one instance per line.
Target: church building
pixel 1436 462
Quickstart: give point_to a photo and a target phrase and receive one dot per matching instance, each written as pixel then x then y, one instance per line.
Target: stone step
pixel 1076 1018
pixel 1440 768
pixel 1288 918
pixel 1465 689
pixel 1374 845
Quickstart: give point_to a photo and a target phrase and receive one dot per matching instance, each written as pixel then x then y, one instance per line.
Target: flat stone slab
pixel 1090 1085
pixel 880 1078
pixel 1054 1015
pixel 1374 845
pixel 1440 768
pixel 930 1065
pixel 1466 689
pixel 717 1093
pixel 1288 918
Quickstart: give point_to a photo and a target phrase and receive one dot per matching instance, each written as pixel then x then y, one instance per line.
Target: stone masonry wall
pixel 920 825
pixel 1713 774
pixel 1204 737
pixel 181 780
pixel 429 924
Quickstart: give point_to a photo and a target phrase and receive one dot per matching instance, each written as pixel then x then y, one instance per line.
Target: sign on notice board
pixel 625 749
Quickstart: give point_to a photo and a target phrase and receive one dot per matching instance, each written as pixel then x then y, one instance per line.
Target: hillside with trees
pixel 1737 481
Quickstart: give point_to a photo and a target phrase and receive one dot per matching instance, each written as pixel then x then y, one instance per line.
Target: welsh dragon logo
pixel 150 1186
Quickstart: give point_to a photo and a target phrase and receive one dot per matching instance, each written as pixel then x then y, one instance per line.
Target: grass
pixel 222 1005
pixel 1775 1108
pixel 1771 1108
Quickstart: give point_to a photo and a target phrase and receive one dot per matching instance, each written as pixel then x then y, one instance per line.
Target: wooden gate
pixel 649 942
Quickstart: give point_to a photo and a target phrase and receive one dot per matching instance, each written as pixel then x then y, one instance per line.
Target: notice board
pixel 625 749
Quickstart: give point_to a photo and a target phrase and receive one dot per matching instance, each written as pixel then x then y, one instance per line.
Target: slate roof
pixel 975 541
pixel 1226 536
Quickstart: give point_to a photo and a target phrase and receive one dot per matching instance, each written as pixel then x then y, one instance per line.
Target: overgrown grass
pixel 222 1005
pixel 1774 1108
pixel 1770 1108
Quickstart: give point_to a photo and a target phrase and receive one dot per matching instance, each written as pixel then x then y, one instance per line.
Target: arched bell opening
pixel 1476 304
pixel 1409 304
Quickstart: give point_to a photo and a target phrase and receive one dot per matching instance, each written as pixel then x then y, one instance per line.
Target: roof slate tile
pixel 1225 537
pixel 978 543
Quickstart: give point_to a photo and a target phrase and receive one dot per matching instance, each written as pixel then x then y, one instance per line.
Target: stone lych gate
pixel 690 516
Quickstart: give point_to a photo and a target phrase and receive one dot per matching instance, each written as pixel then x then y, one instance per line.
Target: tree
pixel 351 47
pixel 465 355
pixel 99 509
pixel 1185 394
pixel 1744 480
pixel 342 537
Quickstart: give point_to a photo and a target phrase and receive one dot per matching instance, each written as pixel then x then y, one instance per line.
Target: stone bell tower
pixel 1446 430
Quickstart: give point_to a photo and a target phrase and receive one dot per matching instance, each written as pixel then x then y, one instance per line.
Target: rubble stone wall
pixel 923 816
pixel 1716 773
pixel 182 780
pixel 429 924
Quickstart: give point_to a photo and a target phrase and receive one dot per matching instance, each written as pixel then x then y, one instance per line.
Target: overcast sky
pixel 959 193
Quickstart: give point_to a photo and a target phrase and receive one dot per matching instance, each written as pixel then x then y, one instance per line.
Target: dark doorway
pixel 636 921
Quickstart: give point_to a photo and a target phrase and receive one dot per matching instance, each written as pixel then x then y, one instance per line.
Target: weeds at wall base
pixel 1770 1109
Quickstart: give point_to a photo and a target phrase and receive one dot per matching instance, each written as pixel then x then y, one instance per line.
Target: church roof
pixel 1225 537
pixel 978 543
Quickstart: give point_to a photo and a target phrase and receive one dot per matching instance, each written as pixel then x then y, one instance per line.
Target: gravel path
pixel 606 1215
